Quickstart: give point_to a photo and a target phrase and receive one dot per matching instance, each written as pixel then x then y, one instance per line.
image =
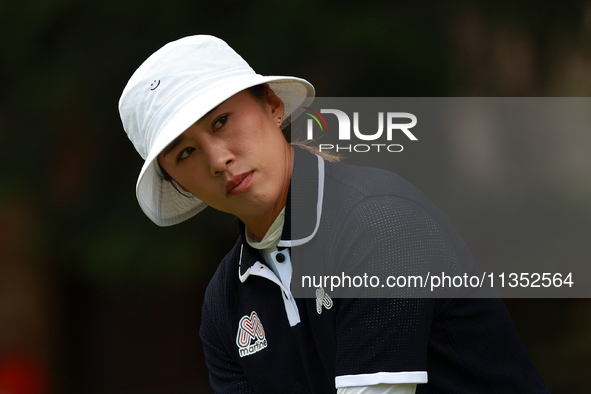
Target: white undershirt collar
pixel 271 238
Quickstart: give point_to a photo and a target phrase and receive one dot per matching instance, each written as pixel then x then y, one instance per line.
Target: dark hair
pixel 169 179
pixel 260 92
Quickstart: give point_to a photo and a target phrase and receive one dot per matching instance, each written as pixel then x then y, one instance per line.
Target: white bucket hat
pixel 173 89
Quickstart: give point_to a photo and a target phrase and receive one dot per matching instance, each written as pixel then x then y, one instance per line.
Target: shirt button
pixel 280 257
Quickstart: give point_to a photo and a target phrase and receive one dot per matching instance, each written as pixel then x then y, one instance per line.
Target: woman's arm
pixel 225 374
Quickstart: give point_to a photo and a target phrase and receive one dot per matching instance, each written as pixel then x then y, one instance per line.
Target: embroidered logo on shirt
pixel 322 299
pixel 251 335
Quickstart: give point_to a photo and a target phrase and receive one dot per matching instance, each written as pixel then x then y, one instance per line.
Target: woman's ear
pixel 276 105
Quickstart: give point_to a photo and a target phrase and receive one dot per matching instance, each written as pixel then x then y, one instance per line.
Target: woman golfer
pixel 211 132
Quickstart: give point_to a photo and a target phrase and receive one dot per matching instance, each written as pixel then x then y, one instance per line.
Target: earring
pixel 279 120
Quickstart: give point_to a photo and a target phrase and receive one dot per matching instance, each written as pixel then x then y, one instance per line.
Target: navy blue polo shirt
pixel 461 345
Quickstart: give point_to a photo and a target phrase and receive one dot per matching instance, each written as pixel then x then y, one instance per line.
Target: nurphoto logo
pixel 390 122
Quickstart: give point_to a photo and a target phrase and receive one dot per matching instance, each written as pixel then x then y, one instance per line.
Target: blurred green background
pixel 94 298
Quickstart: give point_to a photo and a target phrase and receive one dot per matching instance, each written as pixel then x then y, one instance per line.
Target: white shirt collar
pixel 271 238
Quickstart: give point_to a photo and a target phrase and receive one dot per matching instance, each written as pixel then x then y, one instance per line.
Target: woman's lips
pixel 239 183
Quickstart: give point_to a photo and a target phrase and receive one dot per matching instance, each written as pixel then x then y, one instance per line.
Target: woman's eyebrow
pixel 181 137
pixel 209 113
pixel 173 145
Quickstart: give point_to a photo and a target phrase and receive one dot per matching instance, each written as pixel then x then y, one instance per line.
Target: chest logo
pixel 322 299
pixel 251 335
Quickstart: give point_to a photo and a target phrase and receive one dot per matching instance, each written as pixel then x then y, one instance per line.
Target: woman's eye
pixel 185 153
pixel 220 122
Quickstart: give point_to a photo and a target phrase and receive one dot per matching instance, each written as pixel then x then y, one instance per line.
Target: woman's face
pixel 234 158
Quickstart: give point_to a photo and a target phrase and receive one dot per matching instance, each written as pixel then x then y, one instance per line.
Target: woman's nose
pixel 220 157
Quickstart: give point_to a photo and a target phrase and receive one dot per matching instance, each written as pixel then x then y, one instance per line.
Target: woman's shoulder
pixel 365 182
pixel 356 194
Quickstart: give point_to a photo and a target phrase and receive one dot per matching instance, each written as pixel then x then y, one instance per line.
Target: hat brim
pixel 157 197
